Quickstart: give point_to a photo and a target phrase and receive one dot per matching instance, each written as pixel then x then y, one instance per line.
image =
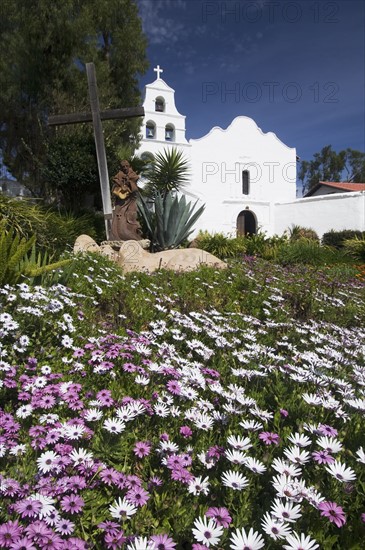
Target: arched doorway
pixel 246 223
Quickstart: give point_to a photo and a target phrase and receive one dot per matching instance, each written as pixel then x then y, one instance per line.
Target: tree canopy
pixel 327 165
pixel 44 47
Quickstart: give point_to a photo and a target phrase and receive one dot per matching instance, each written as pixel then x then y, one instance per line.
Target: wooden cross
pixel 96 116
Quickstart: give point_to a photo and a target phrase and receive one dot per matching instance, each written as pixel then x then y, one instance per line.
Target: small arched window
pixel 169 132
pixel 160 104
pixel 150 130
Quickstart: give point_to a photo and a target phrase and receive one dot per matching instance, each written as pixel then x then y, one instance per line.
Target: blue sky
pixel 296 67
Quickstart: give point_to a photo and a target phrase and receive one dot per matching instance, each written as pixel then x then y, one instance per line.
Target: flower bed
pixel 237 424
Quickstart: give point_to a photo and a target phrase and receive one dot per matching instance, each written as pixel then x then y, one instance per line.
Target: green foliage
pixel 19 260
pixel 220 245
pixel 54 231
pixel 43 72
pixel 71 169
pixel 13 249
pixel 297 232
pixel 305 251
pixel 166 172
pixel 355 247
pixel 171 222
pixel 39 269
pixel 337 238
pixel 258 245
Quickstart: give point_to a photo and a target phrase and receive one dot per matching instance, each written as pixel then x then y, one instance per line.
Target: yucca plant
pixel 167 171
pixel 171 220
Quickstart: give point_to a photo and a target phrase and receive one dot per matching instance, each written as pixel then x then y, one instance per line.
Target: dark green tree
pixel 327 165
pixel 355 166
pixel 44 47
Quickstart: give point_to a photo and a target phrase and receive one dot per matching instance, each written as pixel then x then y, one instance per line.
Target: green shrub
pixel 337 238
pixel 221 245
pixel 54 231
pixel 305 251
pixel 298 232
pixel 355 247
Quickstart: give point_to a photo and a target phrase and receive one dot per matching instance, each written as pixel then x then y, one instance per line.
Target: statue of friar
pixel 125 226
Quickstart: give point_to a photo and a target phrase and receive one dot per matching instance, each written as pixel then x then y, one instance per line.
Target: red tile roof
pixel 342 185
pixel 346 186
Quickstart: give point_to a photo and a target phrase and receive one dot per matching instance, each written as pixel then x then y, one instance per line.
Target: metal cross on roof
pixel 158 71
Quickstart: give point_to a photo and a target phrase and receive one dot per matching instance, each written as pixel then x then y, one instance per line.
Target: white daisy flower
pixel 274 528
pixel 46 462
pixel 360 455
pixel 251 425
pixel 122 509
pixel 234 480
pixel 114 425
pixel 249 541
pixel 285 468
pixel 254 465
pixel 239 443
pixel 207 531
pixel 91 415
pixel 236 457
pixel 285 511
pixel 296 542
pixel 340 472
pixel 198 486
pixel 81 456
pixel 141 543
pixel 24 411
pixel 300 440
pixel 330 444
pixel 294 454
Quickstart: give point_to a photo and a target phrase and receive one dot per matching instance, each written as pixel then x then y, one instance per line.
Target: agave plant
pixel 171 220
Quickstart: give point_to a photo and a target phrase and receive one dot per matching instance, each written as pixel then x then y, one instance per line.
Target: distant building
pixel 246 178
pixel 11 187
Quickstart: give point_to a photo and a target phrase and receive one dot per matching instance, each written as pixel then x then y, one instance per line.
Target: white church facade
pixel 245 178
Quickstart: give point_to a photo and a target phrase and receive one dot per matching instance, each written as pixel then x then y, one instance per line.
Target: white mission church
pixel 246 178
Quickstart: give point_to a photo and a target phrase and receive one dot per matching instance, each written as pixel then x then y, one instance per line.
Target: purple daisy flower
pixel 22 543
pixel 137 496
pixel 72 504
pixel 9 532
pixel 220 515
pixel 173 387
pixel 109 476
pixel 142 449
pixel 269 438
pixel 323 457
pixel 28 508
pixel 163 542
pixel 333 512
pixel 186 431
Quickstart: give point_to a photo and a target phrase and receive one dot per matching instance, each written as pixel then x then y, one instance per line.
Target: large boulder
pixel 132 257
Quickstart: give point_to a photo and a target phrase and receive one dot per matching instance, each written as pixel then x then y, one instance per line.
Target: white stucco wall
pixel 217 162
pixel 322 213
